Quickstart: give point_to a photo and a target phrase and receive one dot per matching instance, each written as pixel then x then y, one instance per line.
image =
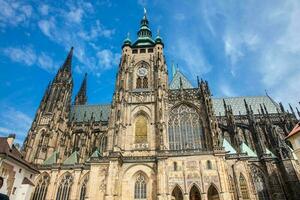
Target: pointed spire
pixel 68 62
pixel 144 28
pixel 81 97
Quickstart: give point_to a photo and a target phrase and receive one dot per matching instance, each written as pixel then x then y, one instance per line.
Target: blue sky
pixel 241 47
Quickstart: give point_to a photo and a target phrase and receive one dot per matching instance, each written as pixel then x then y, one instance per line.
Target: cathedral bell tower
pixel 142 79
pixel 51 117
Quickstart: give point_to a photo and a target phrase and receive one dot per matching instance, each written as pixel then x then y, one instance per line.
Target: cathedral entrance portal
pixel 212 193
pixel 177 194
pixel 194 193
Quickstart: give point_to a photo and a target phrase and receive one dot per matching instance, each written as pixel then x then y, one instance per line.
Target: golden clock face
pixel 142 71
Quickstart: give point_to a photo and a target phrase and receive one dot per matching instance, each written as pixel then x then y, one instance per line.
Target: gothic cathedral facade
pixel 159 139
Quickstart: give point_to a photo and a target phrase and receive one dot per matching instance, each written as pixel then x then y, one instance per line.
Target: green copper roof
pixel 83 113
pixel 72 159
pixel 228 147
pixel 175 82
pixel 52 159
pixel 96 154
pixel 247 150
pixel 238 105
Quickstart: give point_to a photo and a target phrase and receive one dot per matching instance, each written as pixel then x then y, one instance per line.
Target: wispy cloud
pixel 14 121
pixel 14 12
pixel 28 56
pixel 107 58
pixel 68 28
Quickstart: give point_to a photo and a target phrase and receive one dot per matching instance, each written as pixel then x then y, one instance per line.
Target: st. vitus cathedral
pixel 159 139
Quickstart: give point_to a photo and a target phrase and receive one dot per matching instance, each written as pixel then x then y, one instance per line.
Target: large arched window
pixel 195 193
pixel 185 131
pixel 177 193
pixel 212 193
pixel 83 189
pixel 140 188
pixel 244 188
pixel 64 188
pixel 141 129
pixel 41 188
pixel 259 183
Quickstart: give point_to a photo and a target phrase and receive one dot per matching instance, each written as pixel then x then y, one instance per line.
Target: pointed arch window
pixel 212 193
pixel 141 129
pixel 64 188
pixel 83 189
pixel 140 188
pixel 244 188
pixel 259 183
pixel 184 128
pixel 41 188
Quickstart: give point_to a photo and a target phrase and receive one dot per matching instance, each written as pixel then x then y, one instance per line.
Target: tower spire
pixel 68 62
pixel 66 69
pixel 81 97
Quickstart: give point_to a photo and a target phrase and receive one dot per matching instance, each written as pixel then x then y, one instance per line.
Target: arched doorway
pixel 194 193
pixel 212 193
pixel 177 194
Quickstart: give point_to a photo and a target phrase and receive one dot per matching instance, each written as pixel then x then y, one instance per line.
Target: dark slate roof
pixel 238 105
pixel 83 113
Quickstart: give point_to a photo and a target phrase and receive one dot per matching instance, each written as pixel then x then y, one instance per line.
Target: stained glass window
pixel 83 189
pixel 185 131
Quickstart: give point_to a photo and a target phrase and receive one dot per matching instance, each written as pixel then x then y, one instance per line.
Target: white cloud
pixel 47 26
pixel 14 121
pixel 13 13
pixel 44 9
pixel 29 57
pixel 75 15
pixel 22 55
pixel 192 56
pixel 107 58
pixel 97 30
pixel 78 35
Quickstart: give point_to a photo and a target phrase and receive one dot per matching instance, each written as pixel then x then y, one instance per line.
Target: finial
pixel 145 11
pixel 128 35
pixel 158 32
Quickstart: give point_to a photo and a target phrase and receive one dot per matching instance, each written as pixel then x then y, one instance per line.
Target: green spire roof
pixel 144 34
pixel 228 148
pixel 247 150
pixel 179 79
pixel 52 159
pixel 127 41
pixel 72 159
pixel 96 154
